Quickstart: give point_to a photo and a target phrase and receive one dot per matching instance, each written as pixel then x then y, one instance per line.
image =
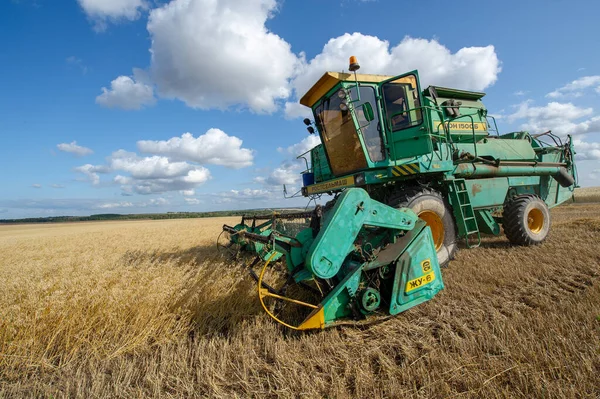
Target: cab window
pixel 371 130
pixel 402 104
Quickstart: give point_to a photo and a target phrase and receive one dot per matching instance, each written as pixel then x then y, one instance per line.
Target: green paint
pixel 450 136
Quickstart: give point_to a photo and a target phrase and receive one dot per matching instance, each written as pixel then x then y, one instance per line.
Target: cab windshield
pixel 340 138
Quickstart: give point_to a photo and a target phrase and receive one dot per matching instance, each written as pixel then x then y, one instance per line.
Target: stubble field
pixel 149 309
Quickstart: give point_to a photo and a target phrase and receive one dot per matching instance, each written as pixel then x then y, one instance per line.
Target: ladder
pixel 464 213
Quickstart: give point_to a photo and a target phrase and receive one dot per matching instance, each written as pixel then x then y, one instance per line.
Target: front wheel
pixel 431 207
pixel 526 220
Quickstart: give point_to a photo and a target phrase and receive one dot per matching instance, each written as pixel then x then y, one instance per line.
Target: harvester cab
pixel 411 172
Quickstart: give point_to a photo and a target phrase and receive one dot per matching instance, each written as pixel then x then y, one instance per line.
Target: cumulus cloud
pixel 172 165
pixel 91 172
pixel 192 201
pixel 577 87
pixel 36 185
pixel 75 149
pixel 307 143
pixel 561 118
pixel 293 110
pixel 214 147
pixel 470 68
pixel 102 11
pixel 287 173
pixel 218 54
pixel 150 175
pixel 586 150
pixel 130 93
pixel 154 167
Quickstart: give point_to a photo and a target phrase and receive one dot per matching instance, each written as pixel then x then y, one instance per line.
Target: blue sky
pixel 134 106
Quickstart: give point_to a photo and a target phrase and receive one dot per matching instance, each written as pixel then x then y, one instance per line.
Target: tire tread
pixel 511 219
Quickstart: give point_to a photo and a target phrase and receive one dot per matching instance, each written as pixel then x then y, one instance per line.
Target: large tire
pixel 431 207
pixel 526 220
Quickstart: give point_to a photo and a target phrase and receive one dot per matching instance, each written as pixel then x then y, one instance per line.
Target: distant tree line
pixel 144 216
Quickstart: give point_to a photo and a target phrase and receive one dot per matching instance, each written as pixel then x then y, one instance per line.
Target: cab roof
pixel 330 79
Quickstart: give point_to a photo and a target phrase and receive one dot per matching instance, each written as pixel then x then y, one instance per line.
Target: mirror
pixel 368 112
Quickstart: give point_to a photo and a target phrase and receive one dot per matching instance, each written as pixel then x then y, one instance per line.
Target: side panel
pixel 505 150
pixel 553 193
pixel 418 277
pixel 487 192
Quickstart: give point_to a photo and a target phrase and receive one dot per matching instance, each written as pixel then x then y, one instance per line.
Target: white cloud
pixel 295 110
pixel 111 205
pixel 561 118
pixel 158 201
pixel 175 165
pixel 214 147
pixel 150 175
pixel 73 148
pixel 36 185
pixel 154 167
pixel 470 68
pixel 91 172
pixel 101 11
pixel 576 87
pixel 130 93
pixel 586 150
pixel 308 143
pixel 218 54
pixel 283 175
pixel 192 201
pixel 552 110
pixel 245 195
pixel 57 186
pixel 287 173
pixel 520 93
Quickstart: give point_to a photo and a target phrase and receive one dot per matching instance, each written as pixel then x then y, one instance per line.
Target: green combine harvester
pixel 411 172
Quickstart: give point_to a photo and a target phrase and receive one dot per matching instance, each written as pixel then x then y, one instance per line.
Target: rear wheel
pixel 526 220
pixel 431 207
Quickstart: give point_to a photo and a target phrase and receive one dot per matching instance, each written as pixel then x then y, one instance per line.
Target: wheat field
pixel 150 309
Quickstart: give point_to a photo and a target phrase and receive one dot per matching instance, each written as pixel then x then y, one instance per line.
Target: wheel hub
pixel 435 223
pixel 535 220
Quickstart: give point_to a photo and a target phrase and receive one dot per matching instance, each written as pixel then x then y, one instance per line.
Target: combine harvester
pixel 411 171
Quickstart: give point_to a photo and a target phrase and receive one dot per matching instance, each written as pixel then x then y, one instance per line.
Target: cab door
pixel 404 117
